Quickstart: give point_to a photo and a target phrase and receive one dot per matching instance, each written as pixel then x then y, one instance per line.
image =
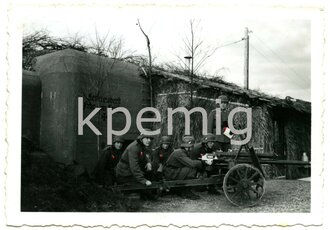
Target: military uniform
pixel 160 156
pixel 132 165
pixel 104 172
pixel 223 142
pixel 180 166
pixel 199 150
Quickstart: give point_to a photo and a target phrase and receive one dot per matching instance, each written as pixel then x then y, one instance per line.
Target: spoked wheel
pixel 244 185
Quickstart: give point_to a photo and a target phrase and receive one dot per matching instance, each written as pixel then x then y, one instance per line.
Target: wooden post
pixel 246 61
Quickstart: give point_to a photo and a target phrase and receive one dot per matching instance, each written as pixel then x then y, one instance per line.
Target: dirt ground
pixel 280 196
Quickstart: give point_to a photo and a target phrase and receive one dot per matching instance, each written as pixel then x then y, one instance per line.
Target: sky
pixel 279 51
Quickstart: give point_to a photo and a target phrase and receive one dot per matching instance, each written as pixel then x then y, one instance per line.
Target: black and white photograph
pixel 130 110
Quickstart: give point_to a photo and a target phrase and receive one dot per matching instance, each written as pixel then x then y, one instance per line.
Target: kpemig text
pixel 157 118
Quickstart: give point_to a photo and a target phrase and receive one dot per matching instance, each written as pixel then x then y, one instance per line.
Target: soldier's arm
pixel 189 162
pixel 194 154
pixel 134 165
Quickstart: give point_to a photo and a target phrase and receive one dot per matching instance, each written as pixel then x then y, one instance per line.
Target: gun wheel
pixel 244 185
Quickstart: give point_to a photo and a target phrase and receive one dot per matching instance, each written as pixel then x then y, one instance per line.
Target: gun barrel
pixel 245 154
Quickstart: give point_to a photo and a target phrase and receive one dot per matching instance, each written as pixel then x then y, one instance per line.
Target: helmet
pixel 165 140
pixel 143 135
pixel 187 141
pixel 223 98
pixel 209 137
pixel 118 139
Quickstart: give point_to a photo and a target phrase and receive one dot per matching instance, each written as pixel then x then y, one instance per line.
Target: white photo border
pixel 14 217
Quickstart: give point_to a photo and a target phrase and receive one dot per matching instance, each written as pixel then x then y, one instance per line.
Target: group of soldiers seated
pixel 137 164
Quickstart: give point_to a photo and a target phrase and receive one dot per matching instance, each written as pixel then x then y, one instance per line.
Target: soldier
pixel 160 156
pixel 104 172
pixel 206 146
pixel 134 163
pixel 180 166
pixel 199 150
pixel 223 142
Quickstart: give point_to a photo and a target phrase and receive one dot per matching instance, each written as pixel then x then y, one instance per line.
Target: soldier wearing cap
pixel 180 166
pixel 202 148
pixel 104 172
pixel 160 156
pixel 223 142
pixel 135 163
pixel 206 146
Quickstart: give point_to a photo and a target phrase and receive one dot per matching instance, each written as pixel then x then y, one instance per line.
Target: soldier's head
pixel 145 138
pixel 118 142
pixel 165 142
pixel 209 140
pixel 187 142
pixel 222 101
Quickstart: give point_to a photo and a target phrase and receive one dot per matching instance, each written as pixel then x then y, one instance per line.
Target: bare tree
pixel 103 46
pixel 148 45
pixel 108 46
pixel 196 51
pixel 195 48
pixel 150 63
pixel 40 42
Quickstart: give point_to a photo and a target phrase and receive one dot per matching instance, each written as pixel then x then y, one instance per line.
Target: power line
pixel 278 69
pixel 267 59
pixel 232 43
pixel 211 53
pixel 281 59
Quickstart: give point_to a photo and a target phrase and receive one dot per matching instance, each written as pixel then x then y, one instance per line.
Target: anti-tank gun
pixel 238 172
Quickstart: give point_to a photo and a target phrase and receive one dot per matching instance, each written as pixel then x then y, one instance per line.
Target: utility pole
pixel 246 59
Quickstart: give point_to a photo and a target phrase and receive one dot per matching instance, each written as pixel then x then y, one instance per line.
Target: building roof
pixel 288 102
